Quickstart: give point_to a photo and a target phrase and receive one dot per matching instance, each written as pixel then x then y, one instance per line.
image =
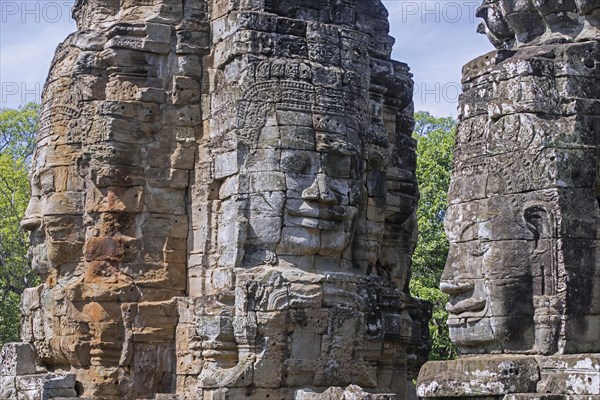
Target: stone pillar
pixel 524 269
pixel 223 197
pixel 109 211
pixel 303 206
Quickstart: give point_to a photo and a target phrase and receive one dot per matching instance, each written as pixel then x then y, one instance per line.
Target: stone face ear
pixel 537 219
pixel 547 303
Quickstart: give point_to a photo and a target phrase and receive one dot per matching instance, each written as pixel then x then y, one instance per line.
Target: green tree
pixel 17 131
pixel 435 140
pixel 17 139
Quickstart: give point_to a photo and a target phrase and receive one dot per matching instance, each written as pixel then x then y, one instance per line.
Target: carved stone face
pixel 322 206
pixel 310 184
pixel 56 206
pixel 305 202
pixel 533 21
pixel 32 222
pixel 54 218
pixel 301 177
pixel 488 276
pixel 495 25
pixel 54 240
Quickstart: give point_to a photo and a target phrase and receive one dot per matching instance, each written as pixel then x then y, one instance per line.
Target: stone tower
pixel 523 273
pixel 223 197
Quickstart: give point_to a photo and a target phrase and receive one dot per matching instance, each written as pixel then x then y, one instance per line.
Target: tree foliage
pixel 17 131
pixel 17 138
pixel 435 140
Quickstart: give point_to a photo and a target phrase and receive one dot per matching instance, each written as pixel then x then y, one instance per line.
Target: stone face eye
pixel 46 181
pixel 337 165
pixel 297 162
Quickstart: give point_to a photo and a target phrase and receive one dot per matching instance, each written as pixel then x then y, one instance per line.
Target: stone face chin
pixel 523 216
pixel 223 207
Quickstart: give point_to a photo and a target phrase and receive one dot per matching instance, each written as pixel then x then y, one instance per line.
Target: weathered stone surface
pixel 352 392
pixel 223 197
pixel 514 23
pixel 17 359
pixel 479 376
pixel 523 220
pixel 513 376
pixel 41 386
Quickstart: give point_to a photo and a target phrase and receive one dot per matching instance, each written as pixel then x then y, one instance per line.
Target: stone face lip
pixel 223 207
pixel 512 376
pixel 523 215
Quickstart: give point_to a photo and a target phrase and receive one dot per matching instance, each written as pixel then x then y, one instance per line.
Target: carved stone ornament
pixel 517 23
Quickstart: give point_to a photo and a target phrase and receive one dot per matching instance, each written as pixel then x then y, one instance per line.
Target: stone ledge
pixel 513 377
pixel 352 392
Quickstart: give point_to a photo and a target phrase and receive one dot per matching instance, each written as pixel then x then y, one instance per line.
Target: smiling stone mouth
pixel 326 218
pixel 331 213
pixel 469 308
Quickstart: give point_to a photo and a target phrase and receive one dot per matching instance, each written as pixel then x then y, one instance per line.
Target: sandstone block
pixel 17 359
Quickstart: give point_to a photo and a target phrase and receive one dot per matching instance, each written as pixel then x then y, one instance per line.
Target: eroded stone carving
pixel 223 200
pixel 522 272
pixel 515 23
pixel 311 168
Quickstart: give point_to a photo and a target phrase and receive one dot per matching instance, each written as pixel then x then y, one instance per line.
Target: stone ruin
pixel 223 207
pixel 523 273
pixel 223 200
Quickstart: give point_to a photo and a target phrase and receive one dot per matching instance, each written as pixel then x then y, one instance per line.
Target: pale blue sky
pixel 435 37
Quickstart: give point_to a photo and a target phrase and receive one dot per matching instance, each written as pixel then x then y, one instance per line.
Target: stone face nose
pixel 311 192
pixel 31 223
pixel 320 191
pixel 456 278
pixel 32 219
